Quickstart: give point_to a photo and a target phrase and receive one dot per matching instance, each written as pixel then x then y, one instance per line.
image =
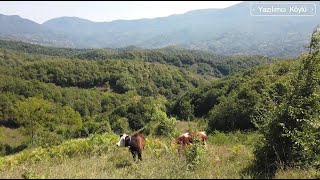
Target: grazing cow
pixel 184 139
pixel 135 143
pixel 187 138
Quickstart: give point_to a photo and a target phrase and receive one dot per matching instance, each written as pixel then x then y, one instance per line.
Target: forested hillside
pixel 89 91
pixel 200 62
pixel 230 103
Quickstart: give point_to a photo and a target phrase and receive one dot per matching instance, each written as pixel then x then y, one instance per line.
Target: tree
pixel 120 126
pixel 186 110
pixel 291 131
pixel 43 119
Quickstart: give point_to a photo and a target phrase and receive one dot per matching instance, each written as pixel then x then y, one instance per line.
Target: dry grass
pixel 296 173
pixel 184 126
pixel 160 160
pixel 219 162
pixel 10 136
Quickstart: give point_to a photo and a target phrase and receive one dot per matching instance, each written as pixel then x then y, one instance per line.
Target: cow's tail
pixel 138 131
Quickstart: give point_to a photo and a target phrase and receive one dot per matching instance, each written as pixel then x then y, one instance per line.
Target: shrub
pixel 47 123
pixel 93 145
pixel 120 126
pixel 166 127
pixel 194 154
pixel 161 124
pixel 291 130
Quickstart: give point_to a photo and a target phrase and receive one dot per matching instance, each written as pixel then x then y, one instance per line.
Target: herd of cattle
pixel 136 142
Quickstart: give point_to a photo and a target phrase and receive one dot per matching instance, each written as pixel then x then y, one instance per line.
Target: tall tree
pixel 292 136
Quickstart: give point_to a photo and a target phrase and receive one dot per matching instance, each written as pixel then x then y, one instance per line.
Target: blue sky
pixel 41 11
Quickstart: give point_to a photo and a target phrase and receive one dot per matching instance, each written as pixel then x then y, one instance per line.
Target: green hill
pixel 199 62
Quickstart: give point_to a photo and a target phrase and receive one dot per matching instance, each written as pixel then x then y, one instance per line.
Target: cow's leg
pixel 140 155
pixel 133 155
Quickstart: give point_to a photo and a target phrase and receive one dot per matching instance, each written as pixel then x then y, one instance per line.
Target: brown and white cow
pixel 187 138
pixel 135 143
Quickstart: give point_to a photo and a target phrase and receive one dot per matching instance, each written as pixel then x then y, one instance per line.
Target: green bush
pixel 161 124
pixel 93 145
pixel 194 154
pixel 166 127
pixel 291 129
pixel 234 112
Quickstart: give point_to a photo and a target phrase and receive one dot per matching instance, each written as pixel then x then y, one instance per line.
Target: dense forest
pixel 55 94
pixel 200 62
pixel 230 103
pixel 88 91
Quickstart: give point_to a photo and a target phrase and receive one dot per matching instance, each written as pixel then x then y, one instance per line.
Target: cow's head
pixel 121 142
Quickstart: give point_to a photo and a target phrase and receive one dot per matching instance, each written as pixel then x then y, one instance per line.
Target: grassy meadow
pixel 226 155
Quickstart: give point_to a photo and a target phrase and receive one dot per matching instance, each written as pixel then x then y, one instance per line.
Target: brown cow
pixel 187 138
pixel 135 143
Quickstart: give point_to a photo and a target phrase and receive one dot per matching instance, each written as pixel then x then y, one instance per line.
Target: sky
pixel 104 11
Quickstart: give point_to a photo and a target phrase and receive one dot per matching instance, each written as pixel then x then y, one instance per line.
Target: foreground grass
pixel 98 157
pixel 117 163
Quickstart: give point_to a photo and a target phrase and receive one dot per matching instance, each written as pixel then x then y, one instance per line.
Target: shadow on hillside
pixel 6 149
pixel 9 124
pixel 256 172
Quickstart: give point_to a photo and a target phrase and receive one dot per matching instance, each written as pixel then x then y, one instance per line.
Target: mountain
pixel 230 30
pixel 16 28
